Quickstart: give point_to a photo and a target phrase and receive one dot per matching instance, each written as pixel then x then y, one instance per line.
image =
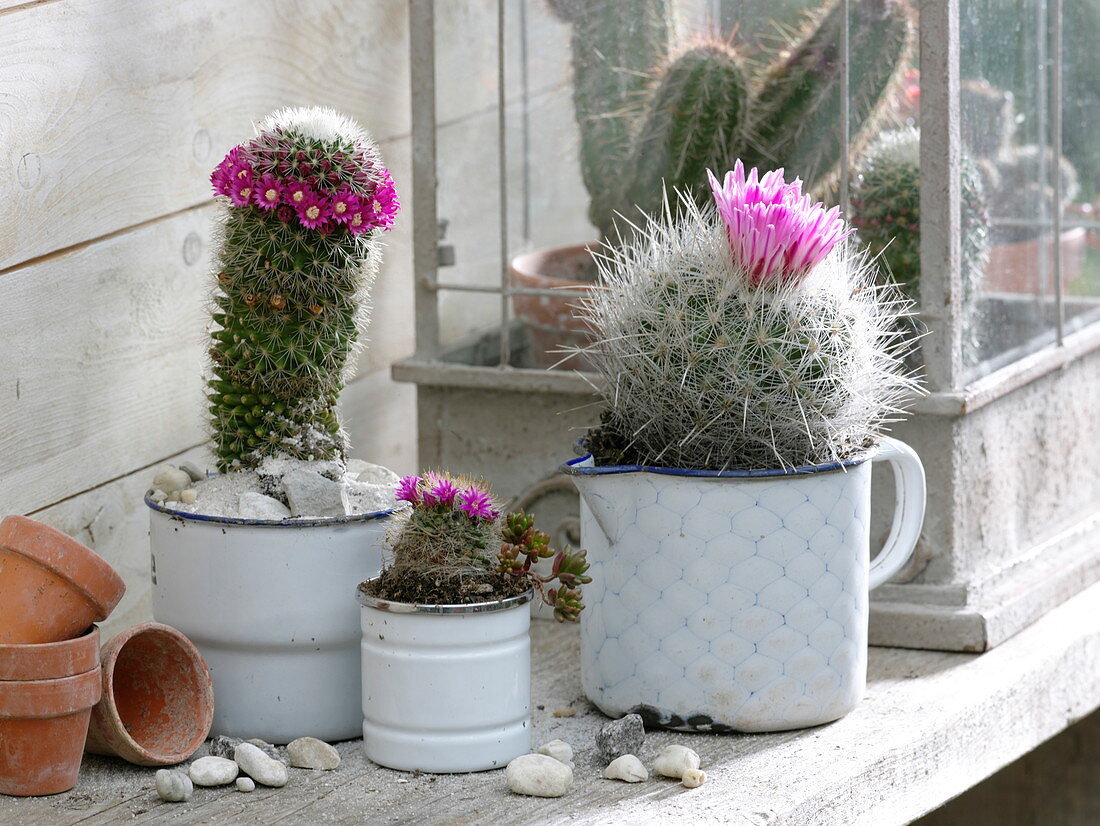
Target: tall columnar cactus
pixel 886 212
pixel 747 336
pixel 303 203
pixel 614 48
pixel 795 121
pixel 669 120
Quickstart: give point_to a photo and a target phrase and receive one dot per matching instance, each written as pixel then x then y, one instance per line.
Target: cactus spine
pixel 705 108
pixel 298 249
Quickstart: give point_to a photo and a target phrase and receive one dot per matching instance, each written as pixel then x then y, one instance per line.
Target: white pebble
pixel 675 760
pixel 372 474
pixel 259 766
pixel 246 784
pixel 158 496
pixel 171 479
pixel 212 771
pixel 559 750
pixel 628 768
pixel 539 775
pixel 175 787
pixel 189 496
pixel 312 495
pixel 694 778
pixel 311 753
pixel 253 505
pixel 192 470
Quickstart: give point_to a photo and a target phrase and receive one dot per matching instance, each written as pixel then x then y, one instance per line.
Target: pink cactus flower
pixel 314 211
pixel 776 233
pixel 344 204
pixel 439 489
pixel 408 490
pixel 268 192
pixel 297 191
pixel 240 191
pixel 477 504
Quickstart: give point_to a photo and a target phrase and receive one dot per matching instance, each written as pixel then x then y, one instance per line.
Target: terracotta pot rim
pixel 123 743
pixel 50 660
pixel 38 699
pixel 86 571
pixel 524 265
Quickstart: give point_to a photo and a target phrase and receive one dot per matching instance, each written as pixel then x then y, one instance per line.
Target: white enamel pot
pixel 266 603
pixel 446 688
pixel 735 600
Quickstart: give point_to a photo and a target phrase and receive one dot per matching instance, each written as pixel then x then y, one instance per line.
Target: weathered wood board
pixel 115 111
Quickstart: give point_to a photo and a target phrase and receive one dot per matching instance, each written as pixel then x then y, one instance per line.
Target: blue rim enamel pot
pixel 735 600
pixel 269 605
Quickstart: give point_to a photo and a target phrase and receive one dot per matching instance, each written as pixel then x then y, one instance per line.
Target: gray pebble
pixel 174 787
pixel 222 746
pixel 246 784
pixel 311 753
pixel 619 737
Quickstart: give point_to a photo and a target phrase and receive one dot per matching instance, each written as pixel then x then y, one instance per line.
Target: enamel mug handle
pixel 908 509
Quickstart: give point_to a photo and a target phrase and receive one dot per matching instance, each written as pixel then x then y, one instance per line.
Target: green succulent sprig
pixel 522 545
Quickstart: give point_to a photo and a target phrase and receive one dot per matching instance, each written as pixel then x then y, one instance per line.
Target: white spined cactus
pixel 749 336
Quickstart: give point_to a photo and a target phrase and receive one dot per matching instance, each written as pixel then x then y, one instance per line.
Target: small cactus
pixel 298 248
pixel 745 336
pixel 885 208
pixel 454 546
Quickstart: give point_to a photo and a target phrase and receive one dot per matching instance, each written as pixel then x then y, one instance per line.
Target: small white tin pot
pixel 446 688
pixel 735 600
pixel 266 603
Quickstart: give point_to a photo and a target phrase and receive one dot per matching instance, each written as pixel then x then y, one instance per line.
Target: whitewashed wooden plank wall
pixel 112 114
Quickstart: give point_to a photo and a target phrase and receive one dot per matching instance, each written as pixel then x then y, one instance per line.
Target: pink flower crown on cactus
pixel 321 190
pixel 776 234
pixel 439 490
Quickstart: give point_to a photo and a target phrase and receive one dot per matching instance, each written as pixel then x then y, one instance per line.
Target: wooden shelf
pixel 932 725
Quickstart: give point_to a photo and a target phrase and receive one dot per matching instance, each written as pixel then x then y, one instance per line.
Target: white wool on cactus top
pixel 319 123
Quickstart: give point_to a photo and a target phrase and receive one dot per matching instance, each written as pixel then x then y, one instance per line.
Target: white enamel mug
pixel 735 600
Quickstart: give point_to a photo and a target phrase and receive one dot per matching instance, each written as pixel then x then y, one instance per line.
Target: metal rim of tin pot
pixel 393 607
pixel 289 522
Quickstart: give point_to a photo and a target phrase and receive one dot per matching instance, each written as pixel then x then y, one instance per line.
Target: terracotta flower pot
pixel 43 724
pixel 50 660
pixel 158 701
pixel 1013 267
pixel 550 318
pixel 51 586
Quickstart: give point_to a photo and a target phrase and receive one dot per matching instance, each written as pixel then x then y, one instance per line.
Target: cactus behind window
pixel 705 108
pixel 744 337
pixel 886 212
pixel 303 204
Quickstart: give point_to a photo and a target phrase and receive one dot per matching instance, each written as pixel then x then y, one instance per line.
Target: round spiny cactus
pixel 886 212
pixel 302 206
pixel 718 354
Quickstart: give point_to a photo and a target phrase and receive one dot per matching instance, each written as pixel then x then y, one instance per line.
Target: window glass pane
pixel 1081 146
pixel 1007 101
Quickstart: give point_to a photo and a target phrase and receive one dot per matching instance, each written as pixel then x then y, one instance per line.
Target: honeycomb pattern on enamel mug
pixel 728 604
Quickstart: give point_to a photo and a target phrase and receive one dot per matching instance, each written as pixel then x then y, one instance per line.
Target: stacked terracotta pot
pixel 52 590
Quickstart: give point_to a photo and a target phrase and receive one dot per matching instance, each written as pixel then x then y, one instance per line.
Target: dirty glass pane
pixel 1081 146
pixel 605 101
pixel 1007 98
